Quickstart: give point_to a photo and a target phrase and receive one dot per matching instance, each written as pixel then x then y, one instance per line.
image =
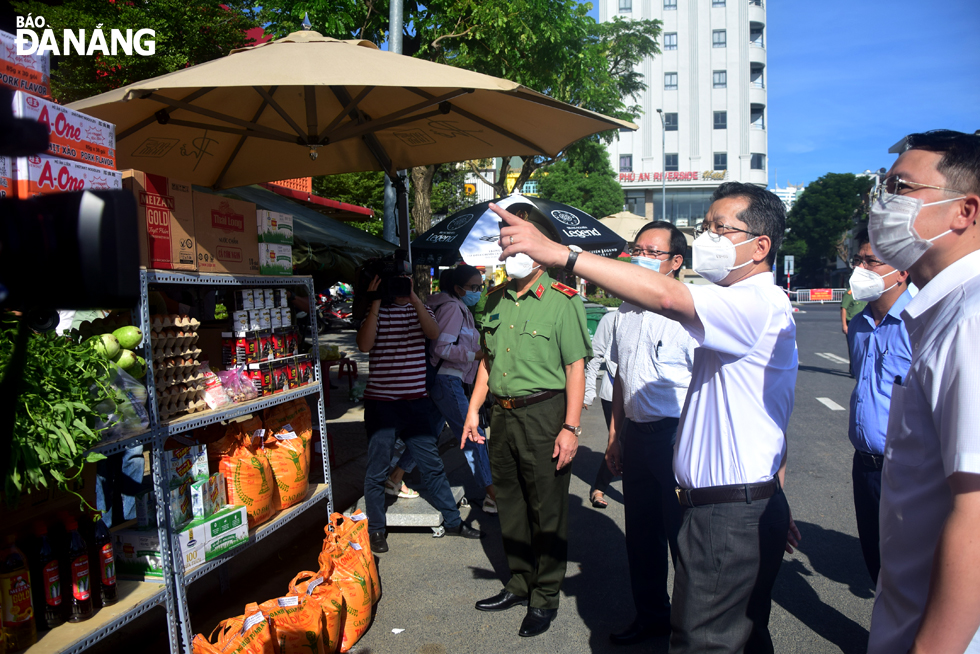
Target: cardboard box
pixel 225 530
pixel 275 259
pixel 208 496
pixel 180 504
pixel 165 213
pixel 73 135
pixel 227 237
pixel 31 73
pixel 275 227
pixel 186 464
pixel 7 187
pixel 41 175
pixel 138 553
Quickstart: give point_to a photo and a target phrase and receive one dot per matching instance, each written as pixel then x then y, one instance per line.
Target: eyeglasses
pixel 720 229
pixel 473 287
pixel 641 252
pixel 867 262
pixel 897 186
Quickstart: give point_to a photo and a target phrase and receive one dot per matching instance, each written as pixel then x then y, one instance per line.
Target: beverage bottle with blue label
pixel 106 562
pixel 16 605
pixel 49 596
pixel 80 573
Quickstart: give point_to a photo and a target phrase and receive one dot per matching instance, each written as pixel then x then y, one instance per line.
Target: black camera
pixel 395 274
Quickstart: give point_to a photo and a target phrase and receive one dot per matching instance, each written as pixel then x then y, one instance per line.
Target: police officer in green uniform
pixel 536 341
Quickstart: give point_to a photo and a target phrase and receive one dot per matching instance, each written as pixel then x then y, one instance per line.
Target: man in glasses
pixel 730 453
pixel 923 219
pixel 880 353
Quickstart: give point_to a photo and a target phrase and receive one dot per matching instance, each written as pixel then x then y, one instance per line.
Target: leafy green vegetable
pixel 56 412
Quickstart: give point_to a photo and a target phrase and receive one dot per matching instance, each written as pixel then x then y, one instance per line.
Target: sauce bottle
pixel 81 574
pixel 15 598
pixel 49 605
pixel 106 562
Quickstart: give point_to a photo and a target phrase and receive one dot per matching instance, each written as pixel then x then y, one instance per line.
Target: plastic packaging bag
pixel 238 385
pixel 299 624
pixel 290 461
pixel 214 392
pixel 354 580
pixel 251 633
pixel 248 475
pixel 320 590
pixel 355 530
pixel 126 411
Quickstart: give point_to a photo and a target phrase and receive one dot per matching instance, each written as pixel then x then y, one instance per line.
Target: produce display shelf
pixel 205 418
pixel 316 493
pixel 134 599
pixel 115 445
pixel 212 279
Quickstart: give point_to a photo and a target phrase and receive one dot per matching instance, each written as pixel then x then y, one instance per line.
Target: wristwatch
pixel 573 252
pixel 575 430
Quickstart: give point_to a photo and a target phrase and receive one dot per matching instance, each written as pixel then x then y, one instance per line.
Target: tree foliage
pixel 584 180
pixel 818 220
pixel 188 32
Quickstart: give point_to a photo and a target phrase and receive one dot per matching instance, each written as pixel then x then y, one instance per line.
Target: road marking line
pixel 833 357
pixel 830 404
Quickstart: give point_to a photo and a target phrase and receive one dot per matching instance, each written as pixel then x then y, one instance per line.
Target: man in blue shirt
pixel 880 355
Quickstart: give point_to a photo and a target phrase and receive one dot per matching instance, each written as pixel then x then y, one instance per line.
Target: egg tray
pixel 162 321
pixel 183 402
pixel 166 354
pixel 187 378
pixel 173 340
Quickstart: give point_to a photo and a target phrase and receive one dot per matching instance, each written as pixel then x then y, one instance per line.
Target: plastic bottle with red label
pixel 15 598
pixel 81 574
pixel 49 596
pixel 106 562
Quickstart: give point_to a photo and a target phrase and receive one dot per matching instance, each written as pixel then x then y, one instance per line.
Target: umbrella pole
pixel 400 183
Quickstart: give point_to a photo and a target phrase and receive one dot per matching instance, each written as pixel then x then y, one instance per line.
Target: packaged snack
pixel 279 343
pixel 305 370
pixel 214 392
pixel 266 352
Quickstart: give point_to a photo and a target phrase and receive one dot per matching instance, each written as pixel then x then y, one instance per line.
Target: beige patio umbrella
pixel 625 223
pixel 310 105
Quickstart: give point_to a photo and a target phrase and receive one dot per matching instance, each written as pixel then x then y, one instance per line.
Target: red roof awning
pixel 332 208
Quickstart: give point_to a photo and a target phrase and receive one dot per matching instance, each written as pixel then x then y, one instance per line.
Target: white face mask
pixel 890 226
pixel 646 262
pixel 519 266
pixel 714 256
pixel 868 286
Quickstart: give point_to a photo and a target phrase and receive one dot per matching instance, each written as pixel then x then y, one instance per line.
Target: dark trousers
pixel 867 496
pixel 653 514
pixel 604 476
pixel 727 563
pixel 532 498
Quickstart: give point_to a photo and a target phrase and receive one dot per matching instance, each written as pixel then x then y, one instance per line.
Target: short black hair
pixel 450 278
pixel 862 237
pixel 960 164
pixel 765 215
pixel 678 244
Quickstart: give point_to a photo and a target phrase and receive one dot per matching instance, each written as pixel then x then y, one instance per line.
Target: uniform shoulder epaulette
pixel 498 287
pixel 565 290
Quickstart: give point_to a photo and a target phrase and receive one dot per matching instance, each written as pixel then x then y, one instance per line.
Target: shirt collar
pixel 943 284
pixel 544 282
pixel 899 306
pixel 759 279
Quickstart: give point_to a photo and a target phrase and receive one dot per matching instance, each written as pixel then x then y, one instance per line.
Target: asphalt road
pixel 821 603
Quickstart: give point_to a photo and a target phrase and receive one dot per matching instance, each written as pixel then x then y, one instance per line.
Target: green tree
pixel 584 180
pixel 365 189
pixel 819 220
pixel 188 32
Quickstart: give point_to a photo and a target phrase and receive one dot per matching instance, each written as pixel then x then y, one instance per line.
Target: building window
pixel 721 161
pixel 757 3
pixel 755 37
pixel 670 81
pixel 670 122
pixel 530 187
pixel 721 120
pixel 719 39
pixel 756 79
pixel 670 4
pixel 670 163
pixel 625 163
pixel 625 6
pixel 670 41
pixel 717 3
pixel 758 161
pixel 758 119
pixel 720 79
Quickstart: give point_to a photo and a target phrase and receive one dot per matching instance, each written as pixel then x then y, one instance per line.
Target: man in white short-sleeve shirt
pixel 731 451
pixel 923 219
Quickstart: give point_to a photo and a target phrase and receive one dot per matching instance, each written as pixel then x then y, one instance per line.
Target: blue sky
pixel 849 78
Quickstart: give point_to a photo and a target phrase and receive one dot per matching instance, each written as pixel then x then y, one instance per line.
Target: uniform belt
pixel 526 400
pixel 722 494
pixel 873 461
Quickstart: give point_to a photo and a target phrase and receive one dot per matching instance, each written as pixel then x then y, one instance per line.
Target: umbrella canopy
pixel 625 223
pixel 472 234
pixel 310 105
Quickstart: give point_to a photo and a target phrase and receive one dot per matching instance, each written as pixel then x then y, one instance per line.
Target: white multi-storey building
pixel 710 83
pixel 789 194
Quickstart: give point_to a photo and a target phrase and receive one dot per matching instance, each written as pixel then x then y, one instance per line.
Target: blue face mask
pixel 646 262
pixel 471 298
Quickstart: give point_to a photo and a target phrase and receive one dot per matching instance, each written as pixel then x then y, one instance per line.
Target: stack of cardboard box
pixel 275 243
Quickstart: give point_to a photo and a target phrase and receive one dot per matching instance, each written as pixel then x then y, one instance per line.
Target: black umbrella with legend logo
pixel 471 235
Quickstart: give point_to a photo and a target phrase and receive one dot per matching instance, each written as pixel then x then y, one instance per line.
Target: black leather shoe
pixel 501 602
pixel 639 632
pixel 465 531
pixel 379 544
pixel 536 622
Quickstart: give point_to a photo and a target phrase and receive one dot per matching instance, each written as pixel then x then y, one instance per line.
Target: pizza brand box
pixel 165 213
pixel 43 175
pixel 7 186
pixel 275 259
pixel 73 135
pixel 227 236
pixel 275 227
pixel 31 73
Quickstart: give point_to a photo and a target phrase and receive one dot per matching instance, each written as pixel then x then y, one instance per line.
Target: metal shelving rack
pixel 178 612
